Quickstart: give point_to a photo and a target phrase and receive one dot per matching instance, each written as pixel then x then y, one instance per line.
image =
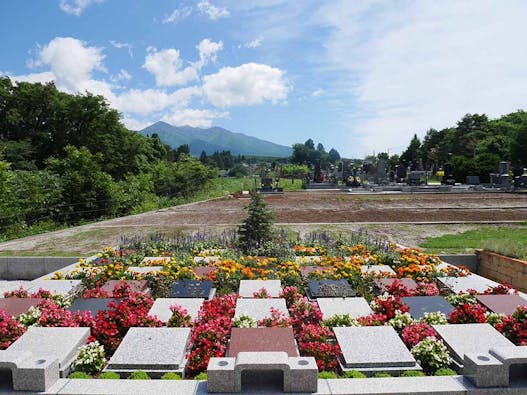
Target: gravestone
pixel 329 289
pixel 52 343
pixel 502 304
pixel 161 307
pixel 355 307
pixel 134 285
pixel 205 260
pixel 377 270
pixel 259 309
pixel 62 287
pixel 93 305
pixel 373 348
pixel 144 269
pixel 154 350
pixel 16 306
pixel 191 289
pixel 305 271
pixel 384 283
pixel 262 340
pixel 8 286
pixel 155 260
pixel 419 305
pixel 463 284
pixel 464 339
pixel 249 287
pixel 202 271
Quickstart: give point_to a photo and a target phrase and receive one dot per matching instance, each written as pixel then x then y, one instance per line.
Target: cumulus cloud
pixel 167 68
pixel 248 84
pixel 253 43
pixel 76 7
pixel 177 15
pixel 208 51
pixel 211 11
pixel 193 117
pixel 43 77
pixel 123 75
pixel 127 46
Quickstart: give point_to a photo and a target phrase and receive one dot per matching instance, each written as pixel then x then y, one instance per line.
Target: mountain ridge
pixel 214 139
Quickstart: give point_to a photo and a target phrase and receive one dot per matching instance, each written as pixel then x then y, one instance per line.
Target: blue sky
pixel 360 76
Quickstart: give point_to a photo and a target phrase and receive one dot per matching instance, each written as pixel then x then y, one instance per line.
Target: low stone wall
pixel 30 268
pixel 502 268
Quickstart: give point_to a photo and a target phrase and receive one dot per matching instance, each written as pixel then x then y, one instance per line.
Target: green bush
pixel 139 375
pixel 445 372
pixel 413 373
pixel 109 376
pixel 327 375
pixel 339 320
pixel 171 376
pixel 353 374
pixel 382 375
pixel 201 376
pixel 79 375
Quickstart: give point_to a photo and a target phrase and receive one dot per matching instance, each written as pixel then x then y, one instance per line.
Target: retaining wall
pixel 502 268
pixel 468 260
pixel 30 268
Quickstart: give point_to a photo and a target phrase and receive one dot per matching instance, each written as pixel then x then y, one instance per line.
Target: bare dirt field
pixel 405 218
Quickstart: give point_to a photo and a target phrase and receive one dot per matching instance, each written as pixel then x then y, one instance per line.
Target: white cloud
pixel 43 77
pixel 123 75
pixel 120 45
pixel 166 66
pixel 211 11
pixel 76 7
pixel 208 52
pixel 253 43
pixel 178 15
pixel 248 84
pixel 317 92
pixel 192 117
pixel 136 124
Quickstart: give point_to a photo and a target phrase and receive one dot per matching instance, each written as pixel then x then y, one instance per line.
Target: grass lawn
pixel 510 241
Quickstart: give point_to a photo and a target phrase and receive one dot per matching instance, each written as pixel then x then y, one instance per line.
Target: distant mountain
pixel 215 139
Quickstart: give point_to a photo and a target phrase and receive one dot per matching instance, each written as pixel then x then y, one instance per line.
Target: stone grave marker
pixel 259 309
pixel 305 271
pixel 355 307
pixel 154 350
pixel 161 307
pixel 249 287
pixel 155 260
pixel 464 339
pixel 134 285
pixel 419 305
pixel 329 289
pixel 191 289
pixel 373 348
pixel 384 283
pixel 7 286
pixel 262 340
pixel 202 271
pixel 502 304
pixel 144 269
pixel 52 343
pixel 377 270
pixel 463 284
pixel 16 306
pixel 63 287
pixel 93 305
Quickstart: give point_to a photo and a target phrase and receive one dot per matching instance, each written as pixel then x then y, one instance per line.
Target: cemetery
pixel 365 317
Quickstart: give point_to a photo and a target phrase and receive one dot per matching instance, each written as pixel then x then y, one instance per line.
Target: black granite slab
pixel 419 305
pixel 190 289
pixel 329 289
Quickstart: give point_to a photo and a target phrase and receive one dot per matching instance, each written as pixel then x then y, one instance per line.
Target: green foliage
pixel 353 374
pixel 327 375
pixel 382 375
pixel 79 375
pixel 139 375
pixel 445 372
pixel 256 230
pixel 109 376
pixel 339 320
pixel 412 373
pixel 171 376
pixel 201 376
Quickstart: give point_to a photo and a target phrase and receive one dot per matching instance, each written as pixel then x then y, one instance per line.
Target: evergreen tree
pixel 257 227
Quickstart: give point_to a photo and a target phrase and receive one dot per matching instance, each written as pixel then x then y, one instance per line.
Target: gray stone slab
pixel 7 286
pixel 155 260
pixel 127 387
pixel 154 350
pixel 355 307
pixel 377 270
pixel 259 309
pixel 249 287
pixel 463 284
pixel 464 339
pixel 373 347
pixel 63 287
pixel 144 269
pixel 52 343
pixel 419 305
pixel 161 307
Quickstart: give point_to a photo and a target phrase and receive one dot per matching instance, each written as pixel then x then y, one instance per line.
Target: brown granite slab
pixel 15 306
pixel 502 304
pixel 202 271
pixel 262 339
pixel 385 283
pixel 135 285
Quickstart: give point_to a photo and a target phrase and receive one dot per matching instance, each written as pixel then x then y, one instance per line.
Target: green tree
pixel 412 154
pixel 256 229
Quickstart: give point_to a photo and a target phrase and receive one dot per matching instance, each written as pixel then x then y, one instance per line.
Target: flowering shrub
pixel 17 293
pixel 30 317
pixel 400 321
pixel 291 295
pixel 434 318
pixel 495 318
pixel 397 288
pixel 416 332
pixel 244 321
pixel 388 305
pixel 10 330
pixel 501 289
pixel 90 359
pixel 315 340
pixel 461 298
pixel 426 289
pixel 277 319
pixel 262 294
pixel 180 317
pixel 51 315
pixel 514 326
pixel 314 333
pixel 467 314
pixel 431 354
pixel 97 293
pixel 304 312
pixel 340 320
pixel 372 320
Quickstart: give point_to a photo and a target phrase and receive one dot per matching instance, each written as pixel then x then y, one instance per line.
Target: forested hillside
pixel 67 158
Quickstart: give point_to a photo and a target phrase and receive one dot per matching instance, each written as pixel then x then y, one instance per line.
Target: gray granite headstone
pixel 259 309
pixel 144 269
pixel 154 350
pixel 161 307
pixel 377 270
pixel 464 339
pixel 329 289
pixel 463 284
pixel 373 347
pixel 355 307
pixel 249 287
pixel 63 287
pixel 419 305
